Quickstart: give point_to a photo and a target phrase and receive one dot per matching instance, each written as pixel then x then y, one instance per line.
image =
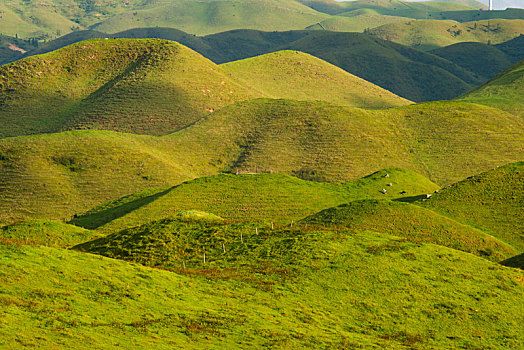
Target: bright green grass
pixel 44 232
pixel 264 198
pixel 143 86
pixel 299 76
pixel 491 201
pixel 289 290
pixel 412 222
pixel 429 34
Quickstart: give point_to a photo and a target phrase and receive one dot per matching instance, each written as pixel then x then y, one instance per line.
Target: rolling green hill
pixel 407 72
pixel 262 198
pixel 44 232
pixel 413 223
pixel 491 201
pixel 299 76
pixel 429 34
pixel 140 86
pixel 288 289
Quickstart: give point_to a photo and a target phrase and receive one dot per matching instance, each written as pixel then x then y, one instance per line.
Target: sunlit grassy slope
pixel 44 232
pixel 58 175
pixel 412 222
pixel 263 198
pixel 289 289
pixel 491 201
pixel 299 76
pixel 430 34
pixel 141 86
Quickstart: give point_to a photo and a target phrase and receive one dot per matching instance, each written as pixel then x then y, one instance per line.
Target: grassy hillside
pixel 44 232
pixel 57 175
pixel 429 34
pixel 280 290
pixel 208 17
pixel 140 86
pixel 299 76
pixel 504 91
pixel 263 198
pixel 414 223
pixel 407 72
pixel 491 201
pixel 451 140
pixel 75 171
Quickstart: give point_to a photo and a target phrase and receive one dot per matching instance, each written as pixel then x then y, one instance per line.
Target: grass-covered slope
pixel 413 223
pixel 430 34
pixel 299 76
pixel 450 139
pixel 263 198
pixel 44 232
pixel 140 86
pixel 409 73
pixel 211 16
pixel 491 201
pixel 58 175
pixel 295 290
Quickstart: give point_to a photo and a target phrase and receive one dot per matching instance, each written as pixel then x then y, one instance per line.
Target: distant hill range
pixel 53 19
pixel 413 74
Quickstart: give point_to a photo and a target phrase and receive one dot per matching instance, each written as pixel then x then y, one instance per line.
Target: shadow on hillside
pixel 99 218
